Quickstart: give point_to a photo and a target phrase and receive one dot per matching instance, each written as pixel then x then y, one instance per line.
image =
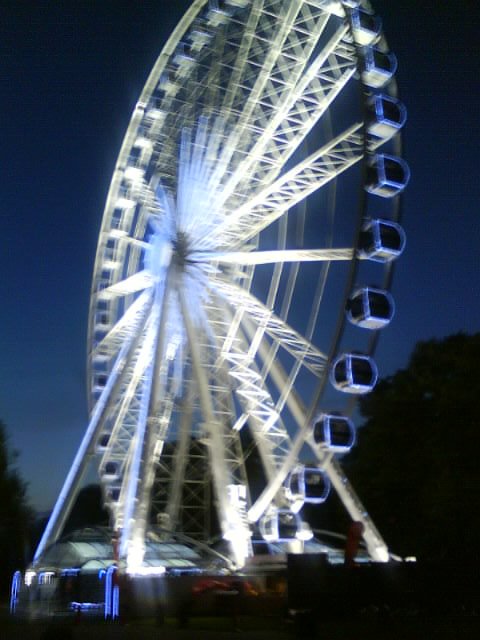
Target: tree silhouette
pixel 88 510
pixel 416 463
pixel 15 515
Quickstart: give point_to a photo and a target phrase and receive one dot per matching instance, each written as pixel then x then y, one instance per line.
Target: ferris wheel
pixel 242 273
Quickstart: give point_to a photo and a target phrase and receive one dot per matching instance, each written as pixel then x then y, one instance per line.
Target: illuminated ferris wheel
pixel 242 274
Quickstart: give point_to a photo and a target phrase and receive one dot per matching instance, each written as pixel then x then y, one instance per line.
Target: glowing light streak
pixel 274 257
pixel 137 282
pixel 307 176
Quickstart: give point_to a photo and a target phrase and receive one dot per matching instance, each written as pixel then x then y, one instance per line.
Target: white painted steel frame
pixel 213 159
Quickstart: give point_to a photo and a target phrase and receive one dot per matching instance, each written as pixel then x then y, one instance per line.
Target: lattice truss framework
pixel 203 251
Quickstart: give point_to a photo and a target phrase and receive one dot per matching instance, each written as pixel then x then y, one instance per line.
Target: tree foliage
pixel 15 515
pixel 416 463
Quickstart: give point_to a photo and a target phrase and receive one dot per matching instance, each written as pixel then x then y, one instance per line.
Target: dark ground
pixel 368 625
pixel 374 602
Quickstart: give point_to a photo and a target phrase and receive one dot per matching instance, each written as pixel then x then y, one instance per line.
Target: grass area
pixel 366 626
pixel 201 627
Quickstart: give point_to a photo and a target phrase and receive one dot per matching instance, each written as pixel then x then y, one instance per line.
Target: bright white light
pixel 296 505
pixel 238 537
pixel 155 114
pixel 29 577
pixel 143 143
pixel 236 531
pixel 382 554
pixel 117 233
pixel 237 494
pixel 134 174
pixel 240 422
pixel 160 254
pixel 172 347
pixel 135 556
pixel 304 532
pixel 170 353
pixel 146 571
pixel 124 203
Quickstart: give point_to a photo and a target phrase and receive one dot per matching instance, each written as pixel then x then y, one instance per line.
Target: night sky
pixel 71 73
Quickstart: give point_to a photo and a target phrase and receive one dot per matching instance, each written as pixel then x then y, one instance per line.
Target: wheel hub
pixel 180 249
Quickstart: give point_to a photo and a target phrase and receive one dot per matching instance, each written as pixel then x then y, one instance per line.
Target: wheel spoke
pixel 250 389
pixel 146 428
pixel 231 519
pixel 274 326
pixel 266 58
pixel 297 184
pixel 127 326
pixel 297 111
pixel 274 257
pixel 134 283
pixel 233 92
pixel 177 472
pixel 276 62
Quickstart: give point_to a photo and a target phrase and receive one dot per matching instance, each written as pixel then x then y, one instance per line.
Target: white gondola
pixel 366 27
pixel 306 485
pixel 370 308
pixel 387 116
pixel 354 373
pixel 387 176
pixel 316 485
pixel 381 240
pixel 335 432
pixel 280 525
pixel 295 488
pixel 379 67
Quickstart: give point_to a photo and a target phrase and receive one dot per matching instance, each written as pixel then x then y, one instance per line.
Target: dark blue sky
pixel 70 75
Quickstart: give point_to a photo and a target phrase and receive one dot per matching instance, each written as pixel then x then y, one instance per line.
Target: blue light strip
pixel 112 594
pixel 15 588
pixel 115 602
